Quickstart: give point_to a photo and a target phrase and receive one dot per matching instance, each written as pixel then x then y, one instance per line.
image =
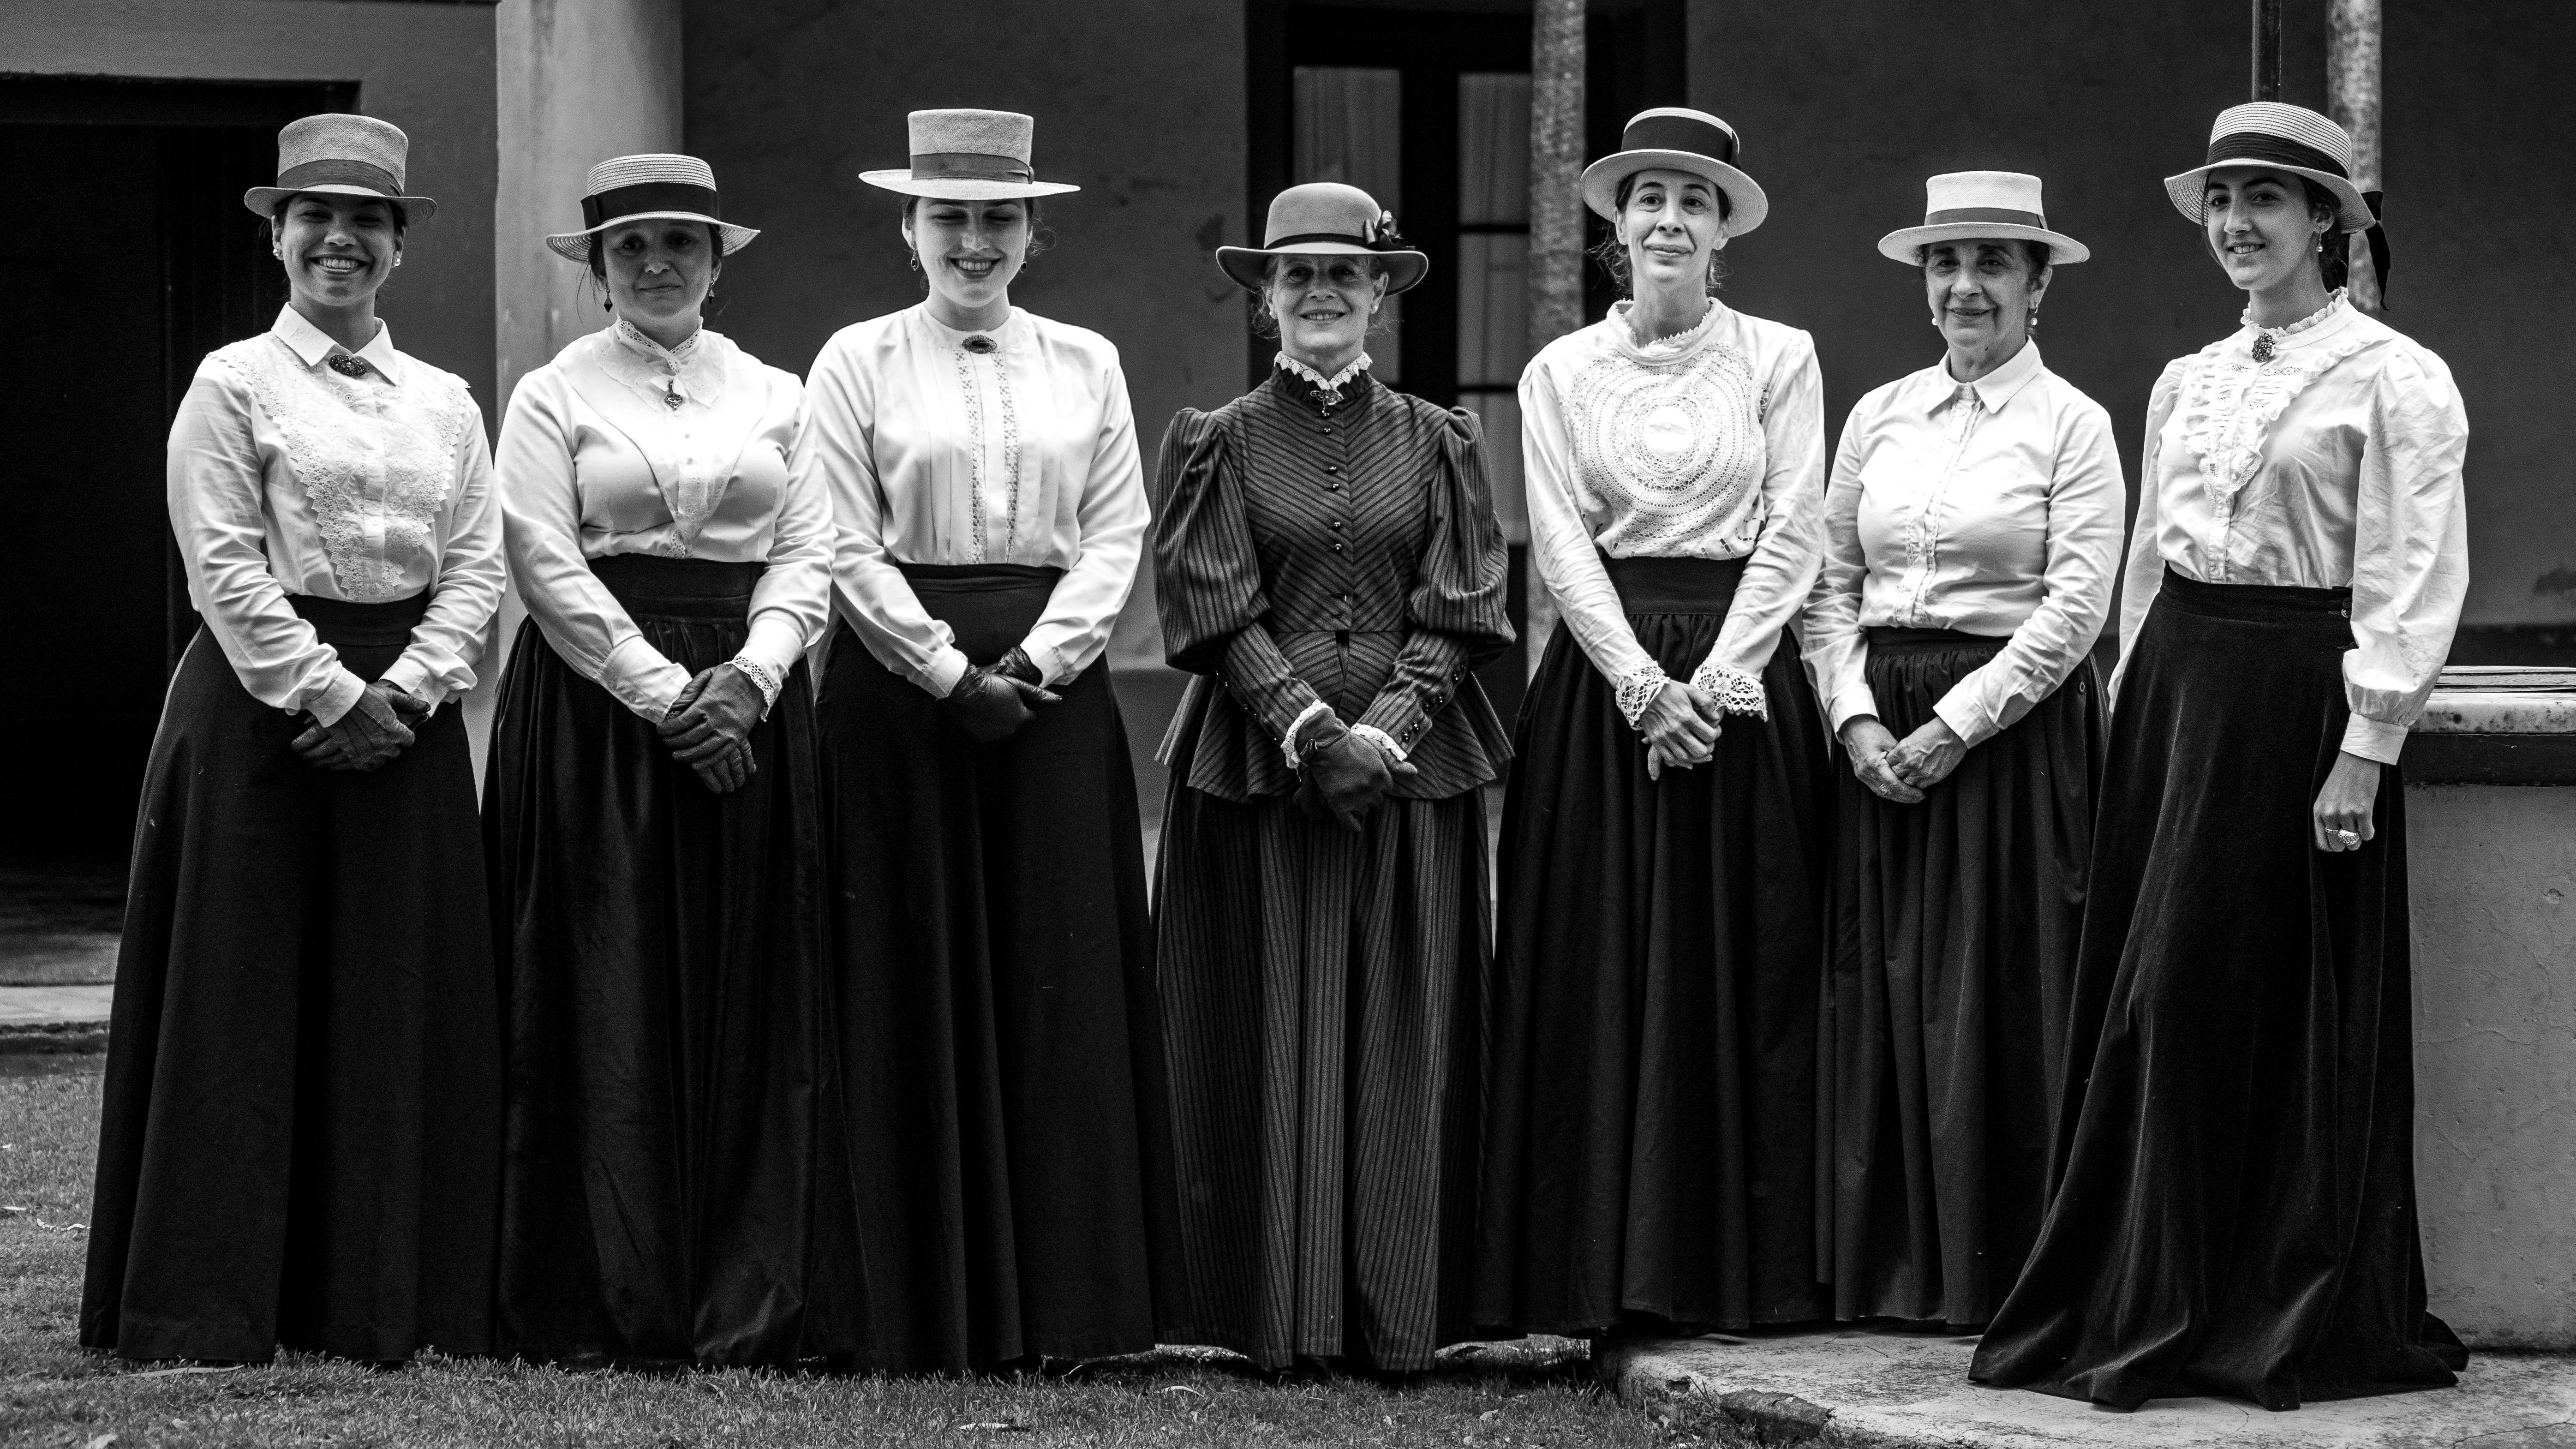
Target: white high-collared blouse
pixel 1708 444
pixel 2335 464
pixel 945 447
pixel 287 476
pixel 618 446
pixel 1991 508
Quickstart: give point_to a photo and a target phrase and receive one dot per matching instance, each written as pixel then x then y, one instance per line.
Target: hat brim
pixel 1906 245
pixel 1746 206
pixel 574 246
pixel 1404 269
pixel 262 201
pixel 964 189
pixel 2189 191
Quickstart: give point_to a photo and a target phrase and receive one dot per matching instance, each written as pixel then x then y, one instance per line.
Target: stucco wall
pixel 1140 102
pixel 426 68
pixel 2493 871
pixel 1846 105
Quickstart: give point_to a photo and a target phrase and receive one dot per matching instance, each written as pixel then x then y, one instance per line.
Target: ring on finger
pixel 2349 839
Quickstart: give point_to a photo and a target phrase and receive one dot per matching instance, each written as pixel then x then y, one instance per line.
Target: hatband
pixel 970 166
pixel 600 209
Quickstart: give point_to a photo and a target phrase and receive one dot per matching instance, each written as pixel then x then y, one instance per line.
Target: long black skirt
pixel 2235 1203
pixel 300 1139
pixel 1008 1129
pixel 1650 1141
pixel 1324 999
pixel 1952 967
pixel 672 1092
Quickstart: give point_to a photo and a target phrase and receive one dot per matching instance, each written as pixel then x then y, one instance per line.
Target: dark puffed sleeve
pixel 1207 576
pixel 1456 609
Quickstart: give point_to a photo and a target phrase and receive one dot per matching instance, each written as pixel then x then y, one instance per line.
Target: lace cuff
pixel 1288 740
pixel 1735 691
pixel 1385 742
pixel 763 678
pixel 1638 690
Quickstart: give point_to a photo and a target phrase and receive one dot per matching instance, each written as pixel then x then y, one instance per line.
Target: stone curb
pixel 47 1038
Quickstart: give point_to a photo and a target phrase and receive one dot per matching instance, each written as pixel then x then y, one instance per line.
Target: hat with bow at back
pixel 1981 206
pixel 2277 136
pixel 969 155
pixel 1677 138
pixel 655 187
pixel 1326 219
pixel 341 155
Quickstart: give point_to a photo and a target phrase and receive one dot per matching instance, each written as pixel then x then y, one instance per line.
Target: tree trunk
pixel 1556 217
pixel 2352 98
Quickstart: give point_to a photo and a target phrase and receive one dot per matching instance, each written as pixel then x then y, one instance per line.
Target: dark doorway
pixel 117 317
pixel 1428 111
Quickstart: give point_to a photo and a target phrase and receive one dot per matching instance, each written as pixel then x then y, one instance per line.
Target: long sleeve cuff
pixel 2373 739
pixel 944 670
pixel 416 679
pixel 774 643
pixel 640 678
pixel 1967 718
pixel 338 697
pixel 1850 705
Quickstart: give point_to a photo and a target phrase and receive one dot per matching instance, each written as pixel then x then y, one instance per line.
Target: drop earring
pixel 2034 321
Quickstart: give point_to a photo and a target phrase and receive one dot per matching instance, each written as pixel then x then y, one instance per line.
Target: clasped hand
pixel 992 701
pixel 1901 770
pixel 1343 775
pixel 708 728
pixel 368 736
pixel 1681 725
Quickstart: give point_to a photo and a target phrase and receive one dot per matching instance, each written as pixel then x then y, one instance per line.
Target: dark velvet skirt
pixel 2234 1211
pixel 1951 967
pixel 672 1089
pixel 1008 1130
pixel 1650 1139
pixel 300 1138
pixel 1324 1003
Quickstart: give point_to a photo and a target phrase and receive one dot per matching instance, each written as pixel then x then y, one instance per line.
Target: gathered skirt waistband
pixel 2253 603
pixel 343 624
pixel 679 588
pixel 1884 638
pixel 1674 585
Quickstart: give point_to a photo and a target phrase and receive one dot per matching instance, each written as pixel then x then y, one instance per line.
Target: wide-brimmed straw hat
pixel 1326 219
pixel 1676 138
pixel 2278 137
pixel 341 155
pixel 1981 206
pixel 654 187
pixel 969 155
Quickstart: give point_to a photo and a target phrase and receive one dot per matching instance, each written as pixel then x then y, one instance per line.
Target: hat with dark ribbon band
pixel 969 155
pixel 1981 206
pixel 1326 219
pixel 2277 136
pixel 337 154
pixel 653 187
pixel 1676 138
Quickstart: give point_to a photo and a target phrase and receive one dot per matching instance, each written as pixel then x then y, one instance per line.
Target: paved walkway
pixel 1912 1390
pixel 54 1005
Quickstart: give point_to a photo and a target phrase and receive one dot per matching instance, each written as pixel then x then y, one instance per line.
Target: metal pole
pixel 2352 98
pixel 2267 50
pixel 1556 218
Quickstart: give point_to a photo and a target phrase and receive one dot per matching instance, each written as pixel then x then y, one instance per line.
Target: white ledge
pixel 2502 701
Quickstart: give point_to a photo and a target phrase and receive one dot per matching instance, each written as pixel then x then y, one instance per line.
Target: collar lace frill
pixel 693 372
pixel 2229 400
pixel 1328 390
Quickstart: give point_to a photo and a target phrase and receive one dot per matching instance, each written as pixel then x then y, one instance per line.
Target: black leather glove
pixel 1018 665
pixel 1340 774
pixel 991 706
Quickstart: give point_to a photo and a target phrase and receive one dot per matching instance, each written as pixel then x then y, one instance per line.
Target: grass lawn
pixel 59 923
pixel 52 1392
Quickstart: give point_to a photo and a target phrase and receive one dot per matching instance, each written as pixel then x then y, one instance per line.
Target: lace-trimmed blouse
pixel 1991 508
pixel 1708 444
pixel 2335 464
pixel 290 476
pixel 619 446
pixel 937 446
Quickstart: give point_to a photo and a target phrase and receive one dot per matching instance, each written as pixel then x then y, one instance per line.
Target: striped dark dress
pixel 1324 990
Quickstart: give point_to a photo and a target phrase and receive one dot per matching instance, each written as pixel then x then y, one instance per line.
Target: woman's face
pixel 970 250
pixel 1982 292
pixel 2259 225
pixel 1324 303
pixel 1672 228
pixel 658 271
pixel 338 250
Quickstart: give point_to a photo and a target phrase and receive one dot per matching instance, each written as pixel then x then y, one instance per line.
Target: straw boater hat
pixel 969 155
pixel 2277 137
pixel 1326 219
pixel 1981 206
pixel 647 188
pixel 341 155
pixel 1676 138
